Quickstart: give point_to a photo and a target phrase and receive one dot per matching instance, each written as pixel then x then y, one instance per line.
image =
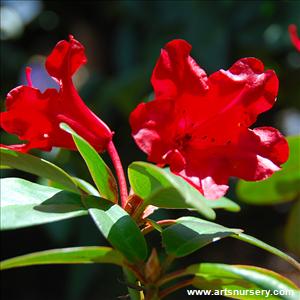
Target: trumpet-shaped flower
pixel 35 116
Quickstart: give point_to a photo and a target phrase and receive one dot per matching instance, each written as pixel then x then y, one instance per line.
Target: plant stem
pixel 174 288
pixel 113 153
pixel 130 277
pixel 152 293
pixel 162 223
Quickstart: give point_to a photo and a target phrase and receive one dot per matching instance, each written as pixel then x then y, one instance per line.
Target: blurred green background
pixel 123 40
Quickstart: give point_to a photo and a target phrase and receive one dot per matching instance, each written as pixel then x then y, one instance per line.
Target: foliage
pixel 26 204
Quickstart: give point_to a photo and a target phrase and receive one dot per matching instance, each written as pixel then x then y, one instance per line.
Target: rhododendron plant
pixel 198 125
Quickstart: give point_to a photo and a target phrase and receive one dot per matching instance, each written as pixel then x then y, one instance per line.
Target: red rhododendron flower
pixel 199 125
pixel 294 36
pixel 35 116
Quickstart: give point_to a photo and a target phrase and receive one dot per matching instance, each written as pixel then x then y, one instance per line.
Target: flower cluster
pixel 199 125
pixel 196 124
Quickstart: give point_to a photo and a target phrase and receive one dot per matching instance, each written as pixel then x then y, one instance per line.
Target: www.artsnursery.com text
pixel 248 292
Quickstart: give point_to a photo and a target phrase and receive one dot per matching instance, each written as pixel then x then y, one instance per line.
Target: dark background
pixel 123 40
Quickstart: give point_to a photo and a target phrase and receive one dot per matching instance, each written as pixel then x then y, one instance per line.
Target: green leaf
pixel 77 255
pixel 118 228
pixel 86 186
pixel 283 186
pixel 251 282
pixel 160 188
pixel 260 244
pixel 292 229
pixel 24 204
pixel 37 166
pixel 155 225
pixel 100 172
pixel 223 203
pixel 190 234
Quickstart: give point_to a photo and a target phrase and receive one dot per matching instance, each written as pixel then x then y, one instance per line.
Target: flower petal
pixel 177 72
pixel 65 59
pixel 211 182
pixel 152 129
pixel 256 156
pixel 35 116
pixel 245 90
pixel 273 145
pixel 18 147
pixel 28 117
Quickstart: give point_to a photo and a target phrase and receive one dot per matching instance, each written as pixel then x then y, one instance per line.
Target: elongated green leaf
pixel 118 228
pixel 281 187
pixel 190 234
pixel 83 185
pixel 37 166
pixel 100 172
pixel 242 282
pixel 77 255
pixel 86 186
pixel 260 244
pixel 24 204
pixel 160 188
pixel 155 225
pixel 223 203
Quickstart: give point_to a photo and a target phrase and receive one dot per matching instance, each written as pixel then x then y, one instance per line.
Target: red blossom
pixel 35 116
pixel 294 36
pixel 198 125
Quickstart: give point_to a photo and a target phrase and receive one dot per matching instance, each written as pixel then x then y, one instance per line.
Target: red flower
pixel 294 36
pixel 199 125
pixel 35 116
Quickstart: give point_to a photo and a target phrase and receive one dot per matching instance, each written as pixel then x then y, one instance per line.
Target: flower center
pixel 181 141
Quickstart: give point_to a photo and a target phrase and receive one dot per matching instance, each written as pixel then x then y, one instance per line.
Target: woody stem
pixel 113 153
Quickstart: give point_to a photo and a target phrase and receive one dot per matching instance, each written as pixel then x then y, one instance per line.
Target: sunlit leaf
pixel 76 255
pixel 190 234
pixel 100 172
pixel 223 203
pixel 242 282
pixel 37 166
pixel 118 228
pixel 260 244
pixel 86 186
pixel 24 204
pixel 160 188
